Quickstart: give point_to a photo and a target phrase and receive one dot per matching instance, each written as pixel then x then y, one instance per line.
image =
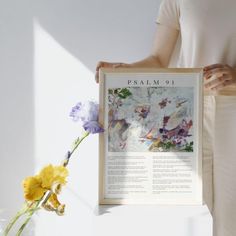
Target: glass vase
pixel 6 216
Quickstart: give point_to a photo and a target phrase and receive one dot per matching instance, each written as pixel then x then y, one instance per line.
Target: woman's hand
pixel 218 76
pixel 109 65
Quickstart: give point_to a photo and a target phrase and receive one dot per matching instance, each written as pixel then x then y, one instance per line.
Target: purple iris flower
pixel 93 127
pixel 87 113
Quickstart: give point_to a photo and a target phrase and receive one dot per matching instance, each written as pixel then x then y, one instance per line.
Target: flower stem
pixel 77 143
pixel 13 221
pixel 48 195
pixel 31 212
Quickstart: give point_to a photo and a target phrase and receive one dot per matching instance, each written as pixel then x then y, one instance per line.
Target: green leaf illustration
pixel 124 93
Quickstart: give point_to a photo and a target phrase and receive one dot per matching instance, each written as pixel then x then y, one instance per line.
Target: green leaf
pixel 188 147
pixel 124 93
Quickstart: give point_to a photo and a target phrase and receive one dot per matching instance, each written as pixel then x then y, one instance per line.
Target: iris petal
pixel 93 127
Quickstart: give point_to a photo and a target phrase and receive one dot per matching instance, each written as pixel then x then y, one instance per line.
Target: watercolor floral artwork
pixel 150 119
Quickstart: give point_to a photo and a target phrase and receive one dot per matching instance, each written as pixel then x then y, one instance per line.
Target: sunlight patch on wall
pixel 61 80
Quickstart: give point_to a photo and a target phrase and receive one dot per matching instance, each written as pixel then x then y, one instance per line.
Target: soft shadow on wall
pixel 16 100
pixel 100 30
pixel 89 30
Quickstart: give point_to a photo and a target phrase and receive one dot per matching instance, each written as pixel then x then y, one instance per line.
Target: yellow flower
pixel 61 210
pixel 49 177
pixel 32 188
pixel 54 201
pixel 54 205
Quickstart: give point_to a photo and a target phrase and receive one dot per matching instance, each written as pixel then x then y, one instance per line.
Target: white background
pixel 48 54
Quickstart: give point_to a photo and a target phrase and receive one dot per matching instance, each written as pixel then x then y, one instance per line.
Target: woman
pixel 208 39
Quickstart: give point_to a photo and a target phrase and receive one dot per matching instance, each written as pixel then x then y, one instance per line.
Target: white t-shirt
pixel 208 36
pixel 207 29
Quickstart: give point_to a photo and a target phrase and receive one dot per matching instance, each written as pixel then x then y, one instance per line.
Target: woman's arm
pixel 163 46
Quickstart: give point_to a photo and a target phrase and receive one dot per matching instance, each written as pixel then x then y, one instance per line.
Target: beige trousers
pixel 219 162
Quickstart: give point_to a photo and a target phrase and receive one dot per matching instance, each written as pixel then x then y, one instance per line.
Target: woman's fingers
pixel 222 85
pixel 108 65
pixel 97 77
pixel 118 65
pixel 217 76
pixel 103 64
pixel 213 66
pixel 217 81
pixel 100 65
pixel 217 72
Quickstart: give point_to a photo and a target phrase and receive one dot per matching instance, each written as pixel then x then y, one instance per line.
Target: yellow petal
pixel 60 175
pixel 48 207
pixel 51 175
pixel 61 210
pixel 47 176
pixel 56 188
pixel 32 188
pixel 54 201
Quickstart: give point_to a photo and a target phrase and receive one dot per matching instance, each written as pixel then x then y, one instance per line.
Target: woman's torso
pixel 208 34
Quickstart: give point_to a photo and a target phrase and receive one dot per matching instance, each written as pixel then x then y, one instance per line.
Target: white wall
pixel 48 54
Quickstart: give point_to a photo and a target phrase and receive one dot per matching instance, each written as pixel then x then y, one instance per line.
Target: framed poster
pixel 151 150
